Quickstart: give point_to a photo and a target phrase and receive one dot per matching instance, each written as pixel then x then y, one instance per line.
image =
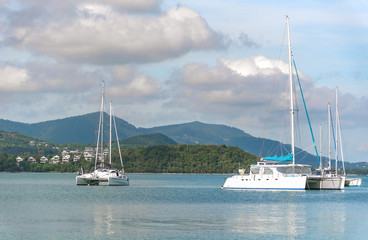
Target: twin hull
pixel 326 182
pixel 353 182
pixel 111 181
pixel 103 178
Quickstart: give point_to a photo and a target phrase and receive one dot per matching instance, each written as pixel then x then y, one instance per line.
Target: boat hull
pixel 87 181
pixel 353 182
pixel 316 182
pixel 102 178
pixel 285 182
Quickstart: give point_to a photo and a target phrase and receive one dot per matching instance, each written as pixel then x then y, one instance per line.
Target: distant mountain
pixel 147 140
pixel 79 129
pixel 82 129
pixel 198 133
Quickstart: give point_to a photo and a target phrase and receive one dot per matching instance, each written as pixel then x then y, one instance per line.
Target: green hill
pixel 146 140
pixel 187 159
pixel 78 129
pixel 20 144
pixel 82 129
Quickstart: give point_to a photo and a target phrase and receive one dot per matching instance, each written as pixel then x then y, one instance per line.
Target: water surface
pixel 160 206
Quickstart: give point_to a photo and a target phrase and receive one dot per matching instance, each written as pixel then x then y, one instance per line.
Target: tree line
pixel 153 159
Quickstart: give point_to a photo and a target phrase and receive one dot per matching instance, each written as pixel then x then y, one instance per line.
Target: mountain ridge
pixel 83 129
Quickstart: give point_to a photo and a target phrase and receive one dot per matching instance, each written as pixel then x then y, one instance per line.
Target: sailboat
pixel 104 174
pixel 349 182
pixel 275 172
pixel 325 178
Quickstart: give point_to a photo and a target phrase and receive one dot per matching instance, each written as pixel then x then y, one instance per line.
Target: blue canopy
pixel 286 158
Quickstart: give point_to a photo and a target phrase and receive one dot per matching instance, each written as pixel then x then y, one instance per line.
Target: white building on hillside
pixel 76 158
pixel 55 159
pixel 44 159
pixel 31 160
pixel 65 158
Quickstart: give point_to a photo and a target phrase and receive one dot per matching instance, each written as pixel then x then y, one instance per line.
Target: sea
pixel 174 206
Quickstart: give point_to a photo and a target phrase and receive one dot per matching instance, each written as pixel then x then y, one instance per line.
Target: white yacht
pixel 103 174
pixel 275 172
pixel 270 175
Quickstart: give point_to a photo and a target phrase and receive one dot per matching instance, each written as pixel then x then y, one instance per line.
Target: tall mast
pixel 291 92
pixel 102 122
pixel 338 126
pixel 320 147
pixel 329 135
pixel 110 135
pixel 336 136
pixel 100 132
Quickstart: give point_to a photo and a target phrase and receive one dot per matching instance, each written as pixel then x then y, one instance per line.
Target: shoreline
pixel 133 173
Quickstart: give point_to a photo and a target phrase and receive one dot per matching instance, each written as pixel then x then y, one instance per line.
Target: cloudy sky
pixel 167 62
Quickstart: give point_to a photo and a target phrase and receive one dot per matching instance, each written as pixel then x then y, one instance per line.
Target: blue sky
pixel 167 62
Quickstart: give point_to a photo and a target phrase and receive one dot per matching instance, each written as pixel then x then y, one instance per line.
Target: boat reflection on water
pixel 287 220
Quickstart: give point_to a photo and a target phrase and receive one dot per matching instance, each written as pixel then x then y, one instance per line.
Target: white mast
pixel 291 92
pixel 338 126
pixel 320 147
pixel 102 122
pixel 110 135
pixel 329 135
pixel 336 136
pixel 100 126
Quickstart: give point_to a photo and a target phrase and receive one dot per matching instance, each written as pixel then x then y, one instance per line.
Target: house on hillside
pixel 65 158
pixel 88 153
pixel 76 158
pixel 55 159
pixel 88 157
pixel 19 159
pixel 31 160
pixel 44 159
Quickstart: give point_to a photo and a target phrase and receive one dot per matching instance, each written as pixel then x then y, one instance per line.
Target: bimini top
pixel 286 158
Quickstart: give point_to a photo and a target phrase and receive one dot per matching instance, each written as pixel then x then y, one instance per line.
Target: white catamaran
pixel 104 174
pixel 326 178
pixel 274 172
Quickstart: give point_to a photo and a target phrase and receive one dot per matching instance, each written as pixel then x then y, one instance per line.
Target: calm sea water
pixel 51 206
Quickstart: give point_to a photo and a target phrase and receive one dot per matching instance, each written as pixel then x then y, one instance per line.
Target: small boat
pixel 104 174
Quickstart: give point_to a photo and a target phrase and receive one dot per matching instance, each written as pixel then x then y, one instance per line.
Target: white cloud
pixel 129 85
pixel 101 35
pixel 12 78
pixel 131 5
pixel 258 65
pixel 245 90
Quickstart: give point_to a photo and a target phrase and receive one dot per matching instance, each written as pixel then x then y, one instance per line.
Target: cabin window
pixel 294 169
pixel 267 170
pixel 255 170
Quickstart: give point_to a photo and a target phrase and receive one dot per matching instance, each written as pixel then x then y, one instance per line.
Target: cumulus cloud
pixel 100 35
pixel 244 89
pixel 129 85
pixel 13 78
pixel 131 5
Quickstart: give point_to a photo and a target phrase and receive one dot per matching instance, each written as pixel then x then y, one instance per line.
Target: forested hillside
pixel 187 159
pixel 153 159
pixel 16 143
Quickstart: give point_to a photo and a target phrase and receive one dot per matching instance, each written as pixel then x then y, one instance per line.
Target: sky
pixel 170 62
